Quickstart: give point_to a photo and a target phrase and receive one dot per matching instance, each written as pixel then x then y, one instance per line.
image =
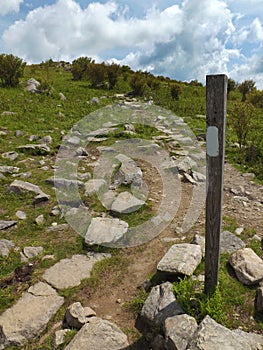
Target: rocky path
pixel 242 202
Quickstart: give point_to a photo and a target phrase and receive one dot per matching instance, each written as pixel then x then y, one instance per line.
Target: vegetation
pixel 11 69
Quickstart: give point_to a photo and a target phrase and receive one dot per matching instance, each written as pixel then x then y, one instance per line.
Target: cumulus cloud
pixel 7 6
pixel 184 40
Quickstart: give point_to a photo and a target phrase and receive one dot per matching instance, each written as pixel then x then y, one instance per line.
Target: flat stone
pixel 21 215
pixel 40 219
pixel 29 316
pixel 35 149
pixel 126 203
pixel 5 247
pixel 4 224
pixel 59 182
pixel 99 334
pixel 68 273
pixel 12 155
pixel 8 169
pixel 229 242
pixel 20 187
pixel 107 198
pixel 181 259
pixel 247 265
pixel 178 331
pixel 212 336
pixel 159 305
pixel 60 337
pixel 32 252
pixel 105 230
pixel 199 240
pixel 94 186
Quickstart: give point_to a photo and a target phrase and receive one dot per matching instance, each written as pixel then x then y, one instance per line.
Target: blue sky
pixel 184 40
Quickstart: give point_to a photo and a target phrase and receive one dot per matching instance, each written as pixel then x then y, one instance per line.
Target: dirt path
pixel 119 287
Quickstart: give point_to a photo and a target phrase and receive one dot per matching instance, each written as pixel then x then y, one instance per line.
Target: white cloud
pixel 185 41
pixel 7 6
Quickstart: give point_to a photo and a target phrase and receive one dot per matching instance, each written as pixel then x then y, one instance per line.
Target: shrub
pixel 11 69
pixel 138 84
pixel 79 67
pixel 113 71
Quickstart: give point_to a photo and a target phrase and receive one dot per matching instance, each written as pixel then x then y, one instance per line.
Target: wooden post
pixel 216 97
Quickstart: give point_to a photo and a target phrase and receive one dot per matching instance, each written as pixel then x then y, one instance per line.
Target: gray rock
pixel 5 247
pixel 73 140
pixel 105 230
pixel 47 140
pixel 18 133
pixel 212 336
pixel 129 171
pixel 29 316
pixel 32 252
pixel 94 186
pixel 75 316
pixel 99 334
pixel 259 300
pixel 33 138
pixel 8 169
pixel 229 242
pixel 59 182
pixel 89 312
pixel 8 113
pixel 126 203
pixel 254 340
pixel 159 305
pixel 35 149
pixel 247 265
pixel 68 273
pixel 107 198
pixel 4 224
pixel 95 100
pixel 62 96
pixel 21 215
pixel 12 155
pixel 2 177
pixel 181 259
pixel 60 337
pixel 20 187
pixel 239 230
pixel 179 330
pixel 199 240
pixel 32 85
pixel 39 220
pixel 55 227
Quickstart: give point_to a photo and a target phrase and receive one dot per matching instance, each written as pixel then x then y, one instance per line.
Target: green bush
pixel 11 69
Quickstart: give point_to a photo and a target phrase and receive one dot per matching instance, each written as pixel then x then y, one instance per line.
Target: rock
pixel 75 316
pixel 249 176
pixel 94 186
pixel 61 227
pixel 73 140
pixel 211 335
pixel 99 334
pixel 89 312
pixel 47 140
pixel 181 259
pixel 32 85
pixel 21 215
pixel 247 265
pixel 199 240
pixel 20 187
pixel 239 230
pixel 4 224
pixel 40 220
pixel 35 149
pixel 62 96
pixel 68 273
pixel 105 230
pixel 59 337
pixel 95 100
pixel 18 133
pixel 5 247
pixel 159 305
pixel 129 171
pixel 29 316
pixel 229 243
pixel 32 252
pixel 179 330
pixel 107 198
pixel 12 155
pixel 81 152
pixel 2 177
pixel 126 203
pixel 33 138
pixel 259 300
pixel 59 182
pixel 8 169
pixel 254 340
pixel 5 113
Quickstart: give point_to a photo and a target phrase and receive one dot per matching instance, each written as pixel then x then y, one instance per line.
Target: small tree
pixel 97 74
pixel 231 85
pixel 80 67
pixel 113 71
pixel 175 90
pixel 138 84
pixel 11 69
pixel 241 121
pixel 245 87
